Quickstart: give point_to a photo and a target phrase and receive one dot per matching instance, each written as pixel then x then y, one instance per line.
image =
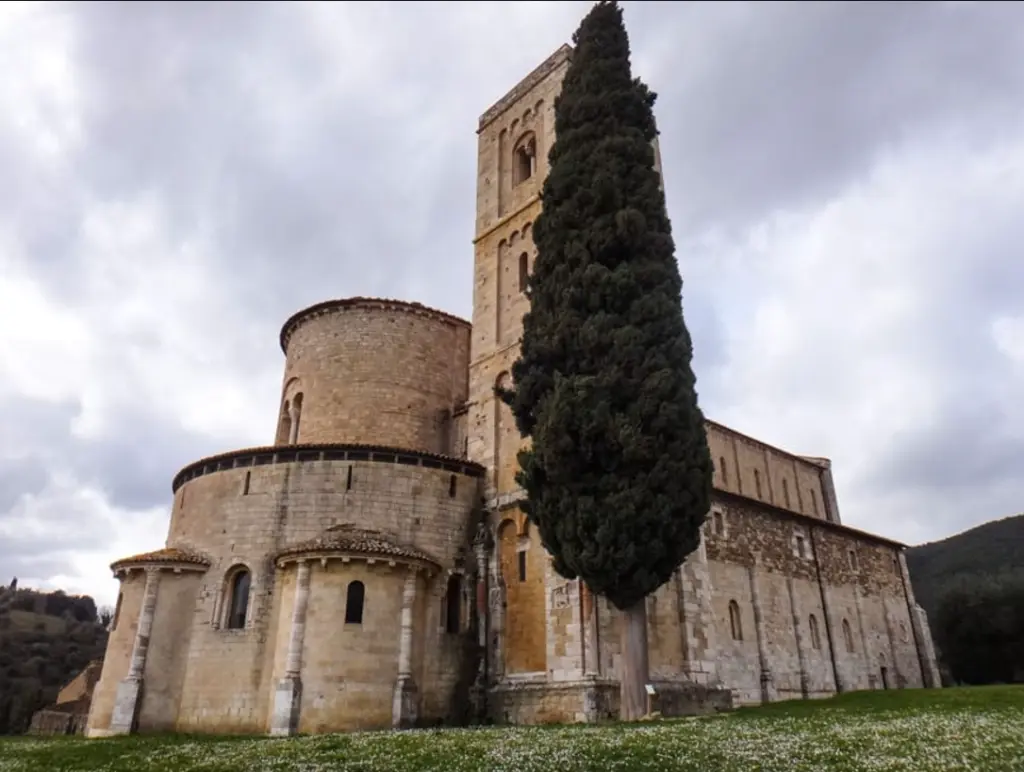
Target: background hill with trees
pixel 46 639
pixel 972 586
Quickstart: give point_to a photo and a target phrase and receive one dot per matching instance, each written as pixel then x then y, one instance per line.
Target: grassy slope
pixel 989 549
pixel 29 620
pixel 897 731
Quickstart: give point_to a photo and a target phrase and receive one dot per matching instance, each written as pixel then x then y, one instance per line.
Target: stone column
pixel 922 632
pixel 129 691
pixel 293 416
pixel 798 634
pixel 403 705
pixel 288 693
pixel 767 687
pixel 698 619
pixel 589 622
pixel 496 605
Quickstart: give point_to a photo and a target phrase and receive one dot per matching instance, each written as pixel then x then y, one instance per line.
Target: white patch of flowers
pixel 971 737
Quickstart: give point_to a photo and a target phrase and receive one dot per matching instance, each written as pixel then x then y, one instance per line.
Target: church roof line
pixel 384 304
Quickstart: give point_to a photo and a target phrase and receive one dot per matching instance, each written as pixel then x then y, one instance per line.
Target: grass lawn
pixel 913 731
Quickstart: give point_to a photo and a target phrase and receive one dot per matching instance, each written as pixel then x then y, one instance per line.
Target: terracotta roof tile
pixel 165 555
pixel 363 541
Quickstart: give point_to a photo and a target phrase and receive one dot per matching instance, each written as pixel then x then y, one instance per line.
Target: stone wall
pixel 818 608
pixel 117 657
pixel 373 371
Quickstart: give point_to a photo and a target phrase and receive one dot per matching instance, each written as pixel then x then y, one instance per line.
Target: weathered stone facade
pixel 372 567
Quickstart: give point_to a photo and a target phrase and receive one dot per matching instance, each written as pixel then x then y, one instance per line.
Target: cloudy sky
pixel 846 184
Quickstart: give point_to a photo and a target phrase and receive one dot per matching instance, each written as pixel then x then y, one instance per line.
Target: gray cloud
pixel 221 165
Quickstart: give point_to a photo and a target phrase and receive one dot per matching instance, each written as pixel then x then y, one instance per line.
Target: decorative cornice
pixel 327 307
pixel 287 454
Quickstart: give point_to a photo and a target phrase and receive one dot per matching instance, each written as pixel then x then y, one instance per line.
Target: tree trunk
pixel 634 675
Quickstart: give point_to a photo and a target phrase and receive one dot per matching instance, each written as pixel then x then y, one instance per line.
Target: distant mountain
pixel 995 549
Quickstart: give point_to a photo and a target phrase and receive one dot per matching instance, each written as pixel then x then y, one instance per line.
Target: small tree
pixel 618 475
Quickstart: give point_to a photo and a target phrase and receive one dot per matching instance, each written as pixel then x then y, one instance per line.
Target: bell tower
pixel 514 137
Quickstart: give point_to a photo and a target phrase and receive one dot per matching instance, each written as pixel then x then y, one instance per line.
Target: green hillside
pixel 46 639
pixel 991 550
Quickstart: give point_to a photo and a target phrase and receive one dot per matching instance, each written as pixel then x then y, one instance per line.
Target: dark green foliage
pixel 979 628
pixel 46 639
pixel 618 478
pixel 992 548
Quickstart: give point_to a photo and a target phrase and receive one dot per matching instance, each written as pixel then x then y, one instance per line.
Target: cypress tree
pixel 618 473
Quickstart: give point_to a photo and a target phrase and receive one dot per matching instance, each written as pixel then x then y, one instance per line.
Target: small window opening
pixel 245 484
pixel 522 565
pixel 348 481
pixel 354 603
pixel 812 623
pixel 239 605
pixel 848 636
pixel 453 604
pixel 757 482
pixel 725 470
pixel 785 492
pixel 735 623
pixel 525 161
pixel 451 486
pixel 801 547
pixel 524 271
pixel 853 560
pixel 717 523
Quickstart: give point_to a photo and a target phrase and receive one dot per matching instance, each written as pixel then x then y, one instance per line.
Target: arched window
pixel 238 599
pixel 296 416
pixel 524 159
pixel 847 636
pixel 812 623
pixel 284 431
pixel 354 603
pixel 735 623
pixel 453 604
pixel 524 271
pixel 853 559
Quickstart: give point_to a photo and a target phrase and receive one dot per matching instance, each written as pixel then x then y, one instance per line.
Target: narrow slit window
pixel 452 482
pixel 524 271
pixel 522 565
pixel 757 482
pixel 453 604
pixel 245 484
pixel 239 600
pixel 354 603
pixel 348 481
pixel 735 623
pixel 725 470
pixel 785 492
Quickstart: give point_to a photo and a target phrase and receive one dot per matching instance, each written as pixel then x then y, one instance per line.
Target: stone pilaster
pixel 496 608
pixel 591 654
pixel 922 632
pixel 865 649
pixel 700 649
pixel 288 692
pixel 293 416
pixel 767 684
pixel 129 691
pixel 801 652
pixel 404 703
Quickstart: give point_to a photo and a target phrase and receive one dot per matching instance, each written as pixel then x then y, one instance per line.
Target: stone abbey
pixel 371 568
